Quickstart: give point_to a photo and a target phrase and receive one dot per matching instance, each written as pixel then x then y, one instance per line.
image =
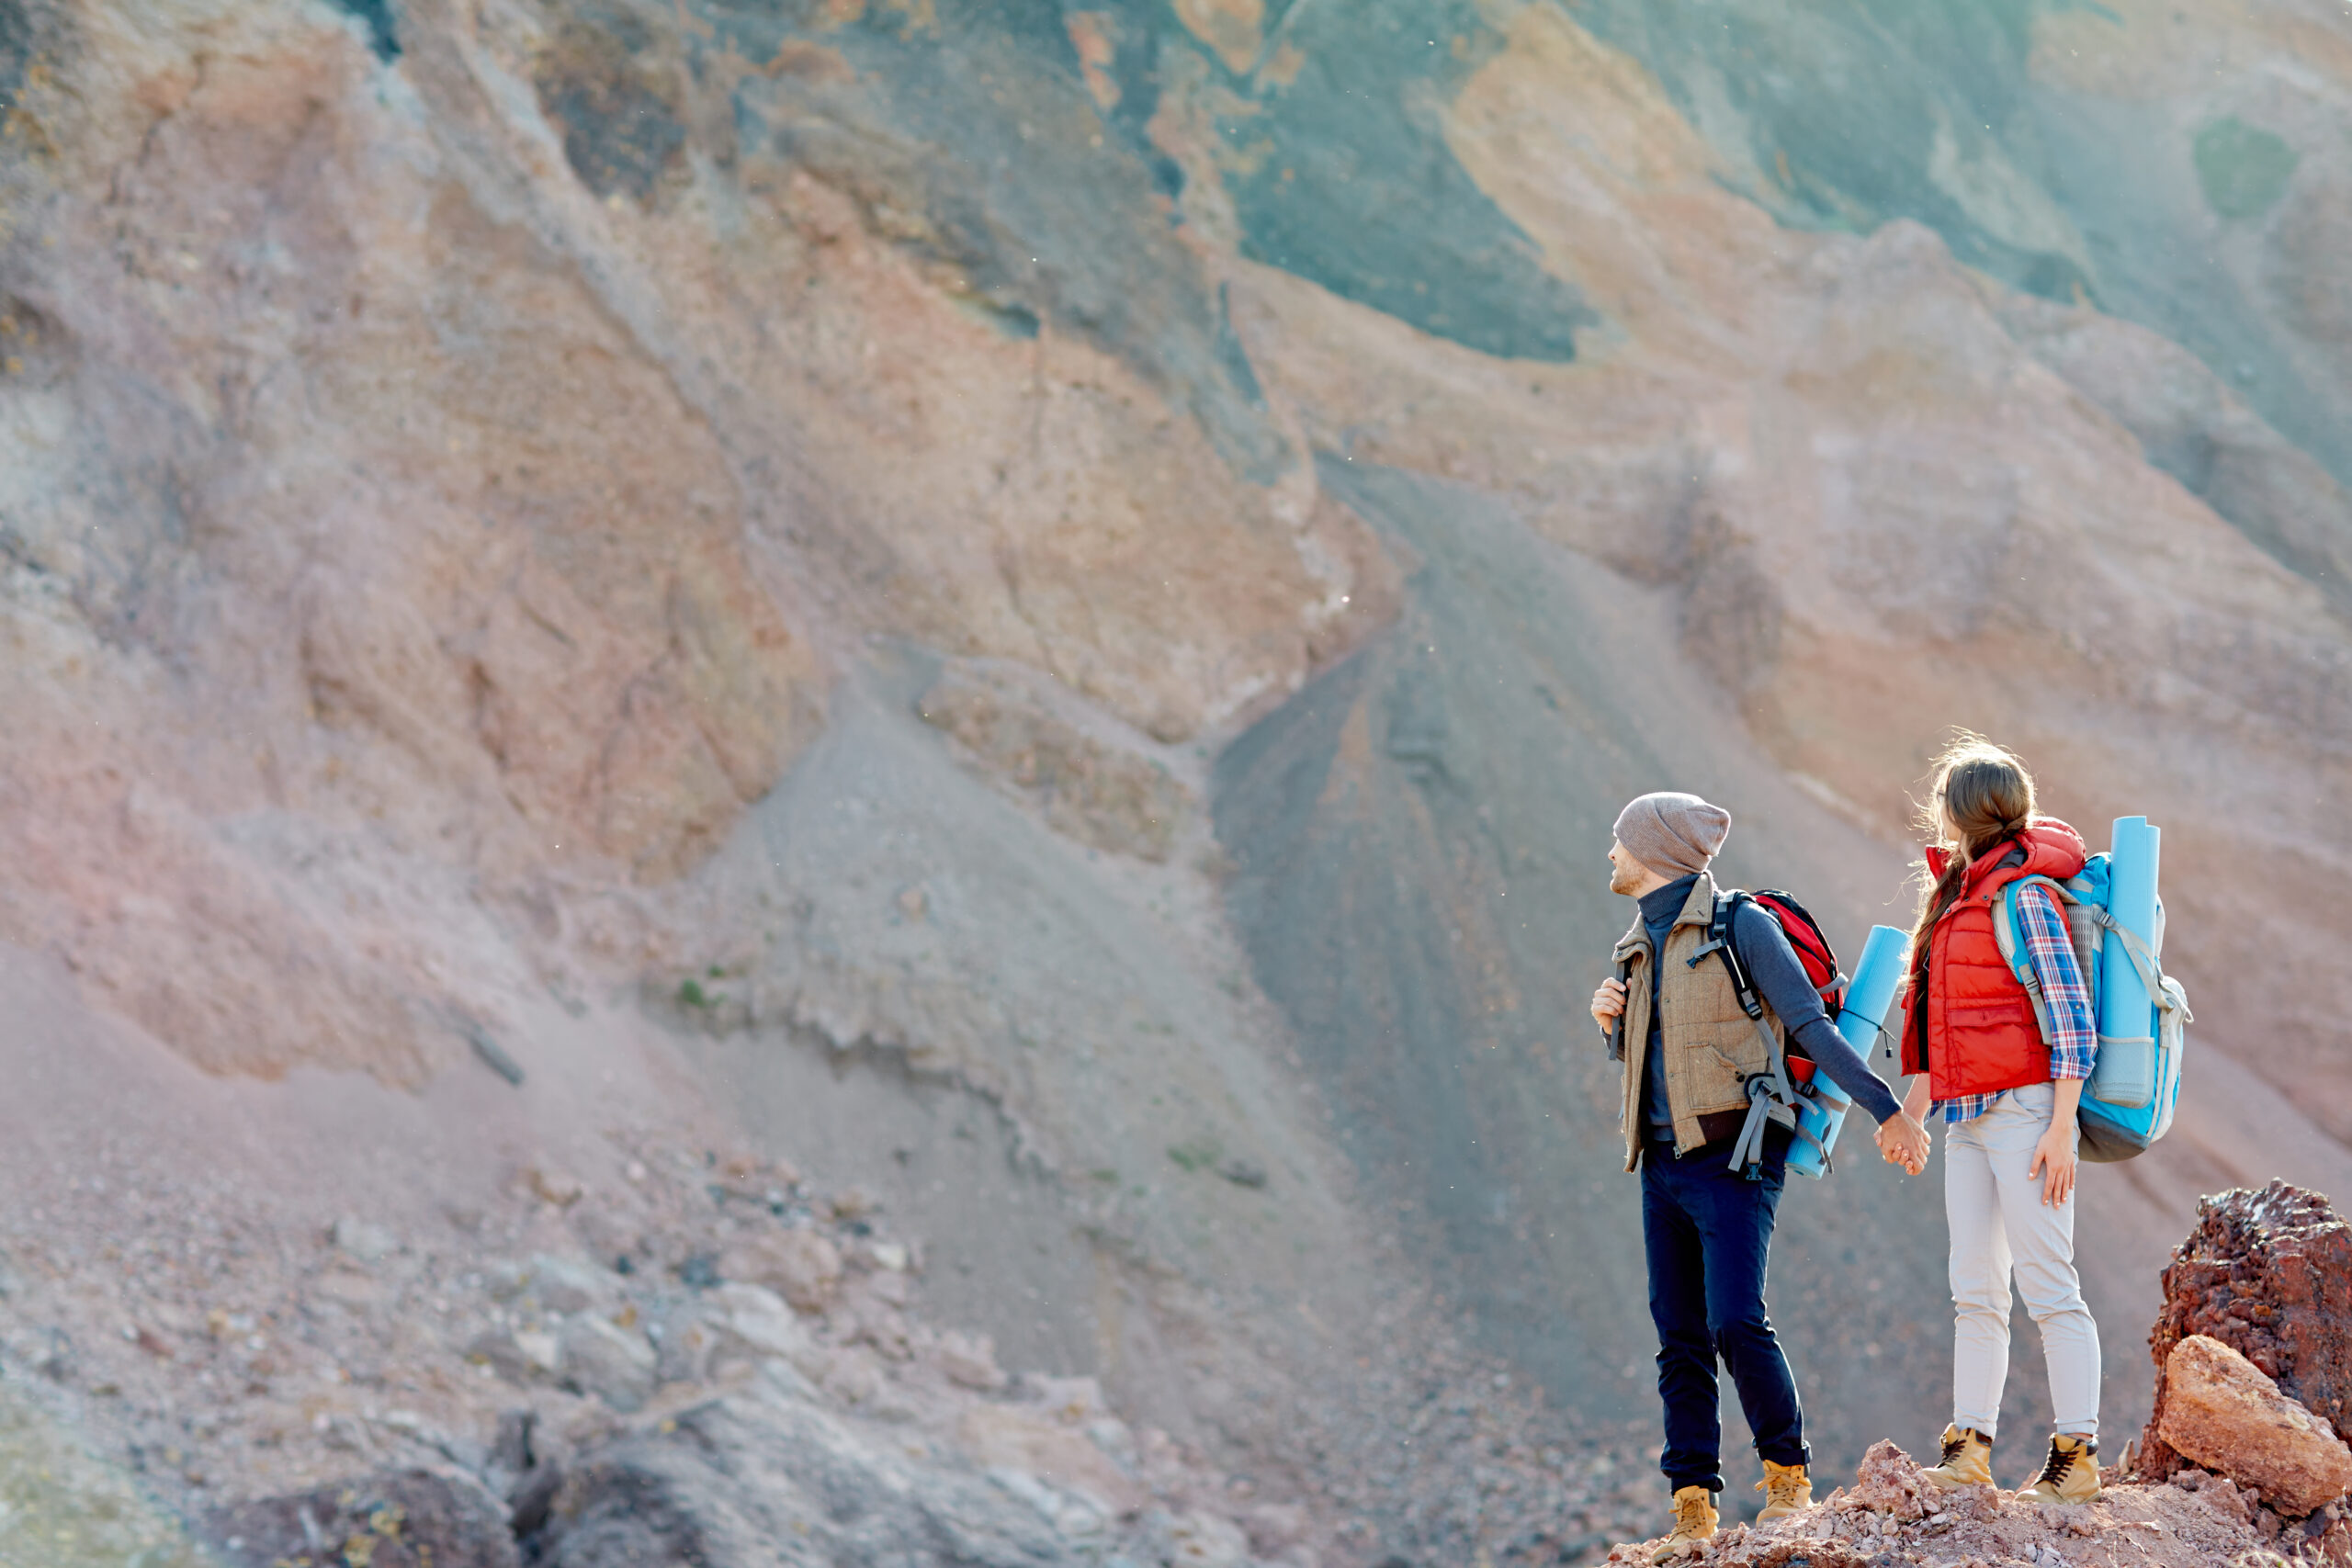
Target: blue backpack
pixel 2135 1083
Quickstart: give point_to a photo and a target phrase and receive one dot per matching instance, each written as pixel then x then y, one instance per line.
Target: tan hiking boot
pixel 2070 1476
pixel 1968 1459
pixel 1787 1490
pixel 1694 1525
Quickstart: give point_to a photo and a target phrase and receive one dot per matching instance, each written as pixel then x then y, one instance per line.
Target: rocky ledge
pixel 1893 1515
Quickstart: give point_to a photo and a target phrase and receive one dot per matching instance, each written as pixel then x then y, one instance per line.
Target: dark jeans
pixel 1708 1231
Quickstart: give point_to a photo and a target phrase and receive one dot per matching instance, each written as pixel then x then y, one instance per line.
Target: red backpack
pixel 1812 951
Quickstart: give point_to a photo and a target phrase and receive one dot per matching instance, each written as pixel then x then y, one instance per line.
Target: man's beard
pixel 1624 878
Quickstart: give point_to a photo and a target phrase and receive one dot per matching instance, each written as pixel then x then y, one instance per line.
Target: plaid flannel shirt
pixel 2052 952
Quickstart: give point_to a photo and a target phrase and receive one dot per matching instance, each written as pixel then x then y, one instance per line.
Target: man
pixel 1688 1048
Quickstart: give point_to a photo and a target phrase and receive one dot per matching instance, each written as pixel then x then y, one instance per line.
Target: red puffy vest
pixel 1978 1030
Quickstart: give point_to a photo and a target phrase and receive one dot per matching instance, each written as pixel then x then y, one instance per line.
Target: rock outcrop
pixel 760 1477
pixel 412 1518
pixel 1101 795
pixel 2268 1274
pixel 2221 1413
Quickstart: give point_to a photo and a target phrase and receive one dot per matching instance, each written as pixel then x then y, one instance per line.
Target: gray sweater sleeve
pixel 1781 982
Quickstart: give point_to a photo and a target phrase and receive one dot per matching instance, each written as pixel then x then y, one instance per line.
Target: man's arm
pixel 1780 980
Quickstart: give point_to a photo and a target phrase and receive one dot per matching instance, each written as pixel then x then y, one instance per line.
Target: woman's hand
pixel 2055 1159
pixel 1608 1002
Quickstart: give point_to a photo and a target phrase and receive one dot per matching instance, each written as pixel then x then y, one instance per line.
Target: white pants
pixel 1999 1228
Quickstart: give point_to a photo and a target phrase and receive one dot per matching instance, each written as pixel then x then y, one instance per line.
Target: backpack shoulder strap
pixel 2007 936
pixel 1771 1096
pixel 1719 940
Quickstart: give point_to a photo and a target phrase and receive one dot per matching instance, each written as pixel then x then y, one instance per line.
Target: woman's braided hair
pixel 1983 797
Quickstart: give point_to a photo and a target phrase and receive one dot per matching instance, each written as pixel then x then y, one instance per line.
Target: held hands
pixel 1903 1139
pixel 1608 1002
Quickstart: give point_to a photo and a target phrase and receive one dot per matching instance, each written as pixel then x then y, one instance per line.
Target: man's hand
pixel 1608 1002
pixel 1903 1139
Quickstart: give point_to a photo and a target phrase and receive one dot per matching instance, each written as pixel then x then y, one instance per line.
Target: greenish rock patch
pixel 2242 168
pixel 32 37
pixel 1343 177
pixel 1852 113
pixel 383 26
pixel 16 41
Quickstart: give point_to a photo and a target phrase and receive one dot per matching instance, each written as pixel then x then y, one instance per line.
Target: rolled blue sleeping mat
pixel 2125 1074
pixel 1869 995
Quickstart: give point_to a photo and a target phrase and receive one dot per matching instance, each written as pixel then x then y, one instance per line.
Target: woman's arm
pixel 2074 1045
pixel 1915 1098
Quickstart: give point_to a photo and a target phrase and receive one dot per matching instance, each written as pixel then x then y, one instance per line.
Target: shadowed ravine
pixel 1421 839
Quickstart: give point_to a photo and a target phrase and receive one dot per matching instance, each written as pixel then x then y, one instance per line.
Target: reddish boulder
pixel 2220 1412
pixel 2268 1274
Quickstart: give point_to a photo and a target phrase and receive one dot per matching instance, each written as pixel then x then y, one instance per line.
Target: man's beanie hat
pixel 1673 834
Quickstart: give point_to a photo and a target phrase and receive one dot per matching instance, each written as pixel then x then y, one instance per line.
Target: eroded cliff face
pixel 1117 560
pixel 414 423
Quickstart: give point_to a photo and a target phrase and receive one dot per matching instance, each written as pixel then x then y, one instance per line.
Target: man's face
pixel 1626 874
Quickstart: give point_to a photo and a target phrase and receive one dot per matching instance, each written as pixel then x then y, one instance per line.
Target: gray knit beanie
pixel 1673 834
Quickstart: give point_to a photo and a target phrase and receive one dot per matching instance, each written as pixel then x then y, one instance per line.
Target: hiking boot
pixel 1786 1489
pixel 1968 1459
pixel 2070 1476
pixel 1694 1525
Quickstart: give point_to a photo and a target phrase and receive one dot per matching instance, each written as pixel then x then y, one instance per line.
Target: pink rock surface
pixel 2221 1411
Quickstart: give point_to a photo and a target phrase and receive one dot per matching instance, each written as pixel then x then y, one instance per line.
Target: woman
pixel 2007 1097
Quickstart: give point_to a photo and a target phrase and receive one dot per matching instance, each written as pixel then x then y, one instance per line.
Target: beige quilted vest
pixel 1709 1042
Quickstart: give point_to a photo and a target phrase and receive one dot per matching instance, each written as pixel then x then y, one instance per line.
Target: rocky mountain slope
pixel 1044 606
